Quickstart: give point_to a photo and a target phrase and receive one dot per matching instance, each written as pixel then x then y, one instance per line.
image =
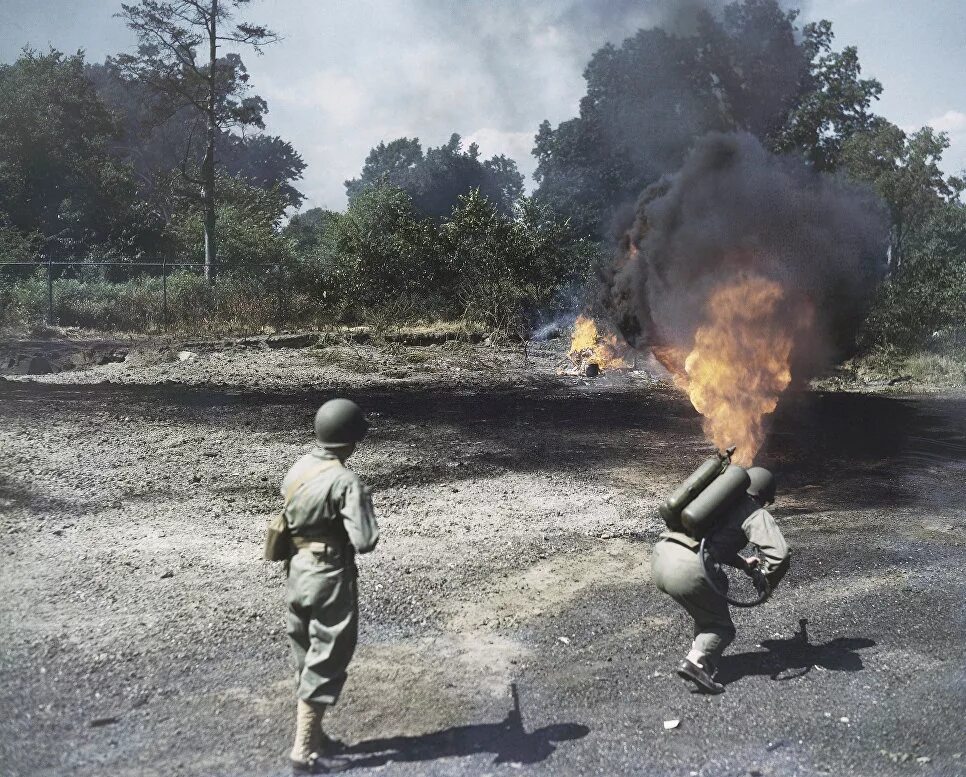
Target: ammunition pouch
pixel 278 539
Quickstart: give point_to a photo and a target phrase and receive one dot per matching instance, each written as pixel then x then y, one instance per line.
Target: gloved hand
pixel 759 580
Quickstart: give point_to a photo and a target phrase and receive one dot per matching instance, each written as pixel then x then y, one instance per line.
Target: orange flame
pixel 740 362
pixel 672 359
pixel 587 345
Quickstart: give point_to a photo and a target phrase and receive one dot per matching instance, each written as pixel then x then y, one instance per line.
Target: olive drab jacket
pixel 745 522
pixel 332 506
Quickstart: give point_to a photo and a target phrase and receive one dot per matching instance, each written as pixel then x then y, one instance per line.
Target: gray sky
pixel 349 74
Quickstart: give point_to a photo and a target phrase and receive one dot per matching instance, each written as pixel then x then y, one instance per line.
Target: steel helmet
pixel 762 484
pixel 340 422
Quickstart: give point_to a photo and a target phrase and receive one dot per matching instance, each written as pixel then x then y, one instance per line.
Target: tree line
pixel 162 152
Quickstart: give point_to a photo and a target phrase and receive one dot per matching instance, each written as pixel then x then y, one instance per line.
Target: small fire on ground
pixel 740 361
pixel 593 352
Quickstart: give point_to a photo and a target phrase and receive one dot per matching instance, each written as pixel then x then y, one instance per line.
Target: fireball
pixel 740 361
pixel 589 346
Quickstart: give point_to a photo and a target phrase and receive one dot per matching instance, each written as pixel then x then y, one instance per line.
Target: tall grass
pixel 236 304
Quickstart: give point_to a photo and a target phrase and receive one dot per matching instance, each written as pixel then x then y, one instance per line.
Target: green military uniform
pixel 330 515
pixel 676 570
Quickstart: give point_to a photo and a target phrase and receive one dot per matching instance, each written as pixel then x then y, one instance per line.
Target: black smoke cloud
pixel 735 209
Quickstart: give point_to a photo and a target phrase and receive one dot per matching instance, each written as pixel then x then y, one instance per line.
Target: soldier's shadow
pixel 789 659
pixel 507 740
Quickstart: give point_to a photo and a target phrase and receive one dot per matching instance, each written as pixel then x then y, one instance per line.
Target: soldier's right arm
pixel 358 516
pixel 761 529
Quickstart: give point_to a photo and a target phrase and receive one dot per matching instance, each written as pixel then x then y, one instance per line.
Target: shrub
pixel 508 270
pixel 380 256
pixel 924 303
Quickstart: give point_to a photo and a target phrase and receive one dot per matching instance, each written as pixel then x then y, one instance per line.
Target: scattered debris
pixel 294 340
pixel 896 758
pixel 565 640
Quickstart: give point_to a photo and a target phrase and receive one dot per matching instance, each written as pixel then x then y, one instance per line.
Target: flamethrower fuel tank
pixel 702 512
pixel 670 509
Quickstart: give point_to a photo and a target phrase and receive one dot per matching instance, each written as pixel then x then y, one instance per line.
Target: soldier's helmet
pixel 762 484
pixel 340 422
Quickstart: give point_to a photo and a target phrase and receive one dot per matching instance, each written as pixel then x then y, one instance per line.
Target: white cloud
pixel 953 122
pixel 339 95
pixel 493 142
pixel 516 145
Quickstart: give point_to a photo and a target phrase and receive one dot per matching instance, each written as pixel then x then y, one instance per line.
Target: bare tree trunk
pixel 208 166
pixel 208 199
pixel 896 241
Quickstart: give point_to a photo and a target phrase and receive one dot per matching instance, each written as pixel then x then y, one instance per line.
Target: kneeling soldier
pixel 329 514
pixel 676 570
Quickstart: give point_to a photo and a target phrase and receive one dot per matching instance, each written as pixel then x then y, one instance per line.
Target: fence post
pixel 50 290
pixel 164 292
pixel 278 298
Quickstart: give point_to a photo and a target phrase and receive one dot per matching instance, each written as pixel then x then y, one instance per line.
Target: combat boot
pixel 310 751
pixel 700 676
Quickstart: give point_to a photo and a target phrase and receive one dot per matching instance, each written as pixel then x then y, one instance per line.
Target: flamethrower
pixel 696 507
pixel 730 586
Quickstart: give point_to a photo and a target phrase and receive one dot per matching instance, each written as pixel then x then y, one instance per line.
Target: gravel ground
pixel 140 634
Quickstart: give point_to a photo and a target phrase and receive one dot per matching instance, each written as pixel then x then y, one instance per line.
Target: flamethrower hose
pixel 763 593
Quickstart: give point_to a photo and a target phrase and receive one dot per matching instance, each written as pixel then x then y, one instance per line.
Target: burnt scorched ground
pixel 141 635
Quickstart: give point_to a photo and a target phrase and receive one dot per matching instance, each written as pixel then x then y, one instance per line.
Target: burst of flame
pixel 672 359
pixel 740 362
pixel 587 345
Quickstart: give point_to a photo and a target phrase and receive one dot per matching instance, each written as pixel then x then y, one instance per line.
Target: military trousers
pixel 676 570
pixel 322 623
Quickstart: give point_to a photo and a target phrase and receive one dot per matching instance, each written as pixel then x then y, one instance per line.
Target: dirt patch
pixel 143 635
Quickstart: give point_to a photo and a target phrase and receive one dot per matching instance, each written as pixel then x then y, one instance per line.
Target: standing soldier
pixel 676 570
pixel 329 514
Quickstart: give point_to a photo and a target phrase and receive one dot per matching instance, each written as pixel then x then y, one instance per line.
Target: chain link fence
pixel 157 295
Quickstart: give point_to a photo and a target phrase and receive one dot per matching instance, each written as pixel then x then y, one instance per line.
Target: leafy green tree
pixel 753 56
pixel 925 304
pixel 309 231
pixel 57 178
pixel 436 179
pixel 506 269
pixel 385 257
pixel 388 164
pixel 649 99
pixel 250 235
pixel 641 110
pixel 265 161
pixel 904 170
pixel 213 89
pixel 17 246
pixel 157 145
pixel 834 103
